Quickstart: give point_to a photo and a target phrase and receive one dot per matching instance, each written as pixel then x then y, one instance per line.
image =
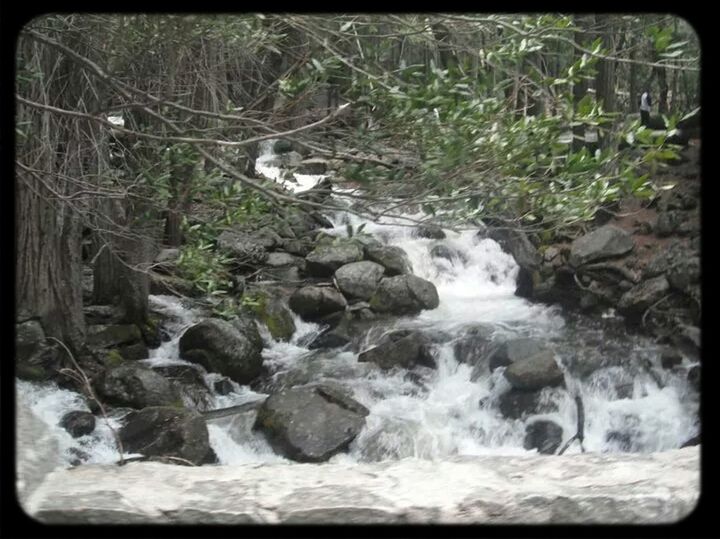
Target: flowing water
pixel 630 402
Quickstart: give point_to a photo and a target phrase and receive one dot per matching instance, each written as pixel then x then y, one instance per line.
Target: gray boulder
pixel 519 403
pixel 313 165
pixel 313 302
pixel 35 359
pixel 103 314
pixel 404 294
pixel 231 349
pixel 402 348
pixel 392 258
pixel 189 383
pixel 538 371
pixel 137 386
pixel 359 279
pixel 518 245
pixel 543 435
pixel 78 423
pixel 246 248
pixel 160 431
pixel 277 260
pixel 297 247
pixel 324 260
pixel 310 424
pixel 635 301
pixel 447 252
pixel 429 231
pixel 516 350
pixel 473 345
pixel 605 242
pixel 282 146
pixel 110 336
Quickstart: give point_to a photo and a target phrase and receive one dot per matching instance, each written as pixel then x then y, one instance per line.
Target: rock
pixel 137 386
pixel 189 383
pixel 276 260
pixel 329 339
pixel 324 260
pixel 78 423
pixel 518 245
pixel 310 424
pixel 515 350
pixel 134 352
pixel 313 302
pixel 223 387
pixel 103 314
pixel 231 349
pixel 429 231
pixel 636 301
pixel 171 285
pixel 543 435
pixel 320 220
pixel 605 242
pixel 535 372
pixel 313 166
pixel 581 489
pixel 474 344
pixel 273 312
pixel 29 339
pixel 516 404
pixel 359 279
pixel 685 274
pixel 297 247
pixel 668 222
pixel 447 252
pixel 404 294
pixel 670 358
pixel 687 339
pixel 166 432
pixel 111 336
pixel 282 146
pixel 248 249
pixel 166 260
pixel 392 258
pixel 695 440
pixel 693 376
pixel 402 348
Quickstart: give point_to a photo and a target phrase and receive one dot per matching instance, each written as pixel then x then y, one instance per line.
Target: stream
pixel 631 403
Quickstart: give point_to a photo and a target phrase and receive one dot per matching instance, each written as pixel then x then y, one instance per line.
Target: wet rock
pixel 636 301
pixel 231 349
pixel 474 344
pixel 519 246
pixel 78 423
pixel 392 258
pixel 693 376
pixel 312 166
pixel 282 146
pixel 324 260
pixel 605 242
pixel 103 314
pixel 310 424
pixel 313 302
pixel 535 372
pixel 329 339
pixel 695 440
pixel 35 360
pixel 137 386
pixel 404 294
pixel 273 312
pixel 447 252
pixel 429 231
pixel 515 350
pixel 223 387
pixel 670 358
pixel 166 432
pixel 543 435
pixel 297 247
pixel 359 279
pixel 402 348
pixel 516 404
pixel 134 352
pixel 189 383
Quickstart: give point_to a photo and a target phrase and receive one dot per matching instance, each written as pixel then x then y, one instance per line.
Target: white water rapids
pixel 448 413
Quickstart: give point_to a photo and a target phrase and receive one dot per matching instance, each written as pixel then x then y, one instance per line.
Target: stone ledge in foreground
pixel 590 488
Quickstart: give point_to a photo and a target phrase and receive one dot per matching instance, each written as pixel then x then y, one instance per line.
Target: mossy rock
pixel 275 315
pixel 114 358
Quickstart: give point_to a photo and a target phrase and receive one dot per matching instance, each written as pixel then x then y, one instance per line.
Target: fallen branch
pixel 580 434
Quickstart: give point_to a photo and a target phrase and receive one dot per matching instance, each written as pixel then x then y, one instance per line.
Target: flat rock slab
pixel 583 488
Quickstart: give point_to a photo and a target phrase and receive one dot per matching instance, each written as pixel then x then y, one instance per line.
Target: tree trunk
pixel 605 78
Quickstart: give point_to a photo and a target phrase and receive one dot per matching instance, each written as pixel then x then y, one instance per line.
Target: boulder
pixel 190 384
pixel 543 435
pixel 246 248
pixel 161 431
pixel 223 387
pixel 515 350
pixel 78 423
pixel 310 424
pixel 324 260
pixel 282 146
pixel 166 260
pixel 605 242
pixel 103 314
pixel 535 372
pixel 392 258
pixel 313 302
pixel 273 312
pixel 297 247
pixel 137 386
pixel 636 301
pixel 35 358
pixel 516 403
pixel 518 245
pixel 670 358
pixel 359 279
pixel 112 336
pixel 668 222
pixel 447 252
pixel 171 285
pixel 473 345
pixel 231 349
pixel 134 352
pixel 693 376
pixel 429 231
pixel 313 165
pixel 277 260
pixel 402 348
pixel 404 294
